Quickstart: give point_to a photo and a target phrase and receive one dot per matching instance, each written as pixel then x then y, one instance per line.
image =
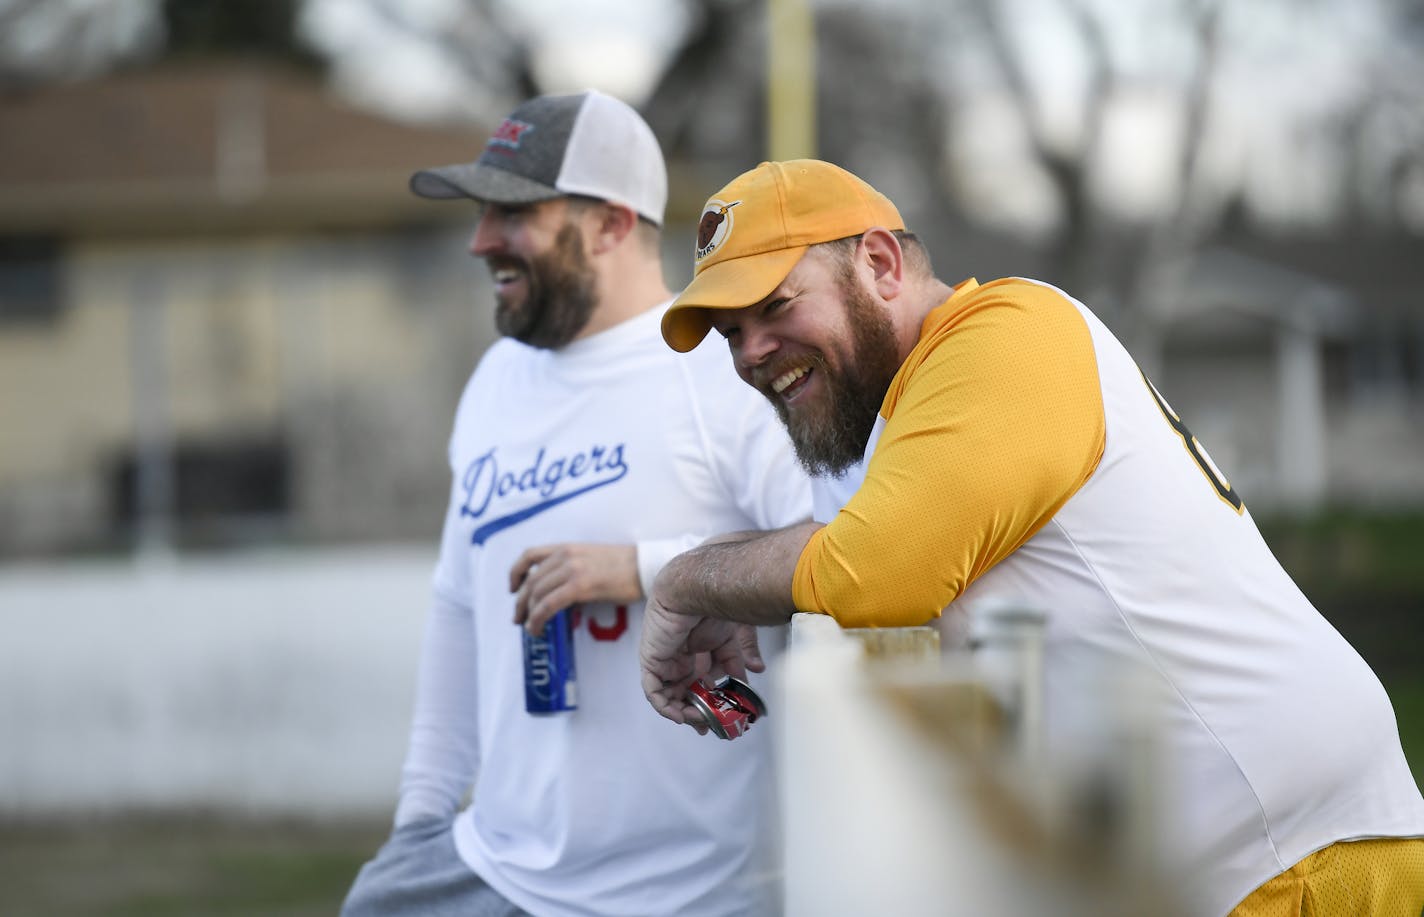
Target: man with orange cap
pixel 983 445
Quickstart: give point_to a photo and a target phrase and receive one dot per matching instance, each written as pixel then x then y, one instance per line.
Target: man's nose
pixel 488 238
pixel 755 347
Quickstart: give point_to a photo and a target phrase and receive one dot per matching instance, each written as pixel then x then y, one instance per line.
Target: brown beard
pixel 830 437
pixel 559 299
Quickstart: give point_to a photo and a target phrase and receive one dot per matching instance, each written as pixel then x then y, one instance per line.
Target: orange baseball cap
pixel 755 230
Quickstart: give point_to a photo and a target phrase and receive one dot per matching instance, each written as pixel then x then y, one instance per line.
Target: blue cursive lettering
pixel 484 483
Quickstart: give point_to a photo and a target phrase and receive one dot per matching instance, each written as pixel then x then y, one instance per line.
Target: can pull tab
pixel 741 696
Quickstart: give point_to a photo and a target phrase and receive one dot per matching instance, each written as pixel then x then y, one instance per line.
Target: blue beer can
pixel 550 679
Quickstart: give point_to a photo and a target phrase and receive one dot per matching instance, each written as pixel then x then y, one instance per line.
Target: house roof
pixel 1223 283
pixel 209 146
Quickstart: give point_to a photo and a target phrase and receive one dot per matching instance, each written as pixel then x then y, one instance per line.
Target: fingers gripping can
pixel 550 679
pixel 728 707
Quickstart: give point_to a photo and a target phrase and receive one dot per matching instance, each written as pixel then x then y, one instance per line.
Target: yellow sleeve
pixel 993 422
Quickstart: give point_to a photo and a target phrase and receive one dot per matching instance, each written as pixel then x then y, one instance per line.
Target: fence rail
pixel 914 782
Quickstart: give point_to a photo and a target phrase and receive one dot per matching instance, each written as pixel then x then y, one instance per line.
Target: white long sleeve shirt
pixel 608 809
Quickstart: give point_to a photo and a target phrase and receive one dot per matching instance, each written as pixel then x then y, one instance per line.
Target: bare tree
pixel 481 42
pixel 43 40
pixel 709 103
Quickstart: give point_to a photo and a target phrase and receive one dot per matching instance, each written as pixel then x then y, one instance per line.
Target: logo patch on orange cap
pixel 714 227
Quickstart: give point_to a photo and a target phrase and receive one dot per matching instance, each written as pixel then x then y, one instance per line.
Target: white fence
pixel 263 683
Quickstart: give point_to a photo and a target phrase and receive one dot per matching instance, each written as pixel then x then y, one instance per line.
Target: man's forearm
pixel 745 577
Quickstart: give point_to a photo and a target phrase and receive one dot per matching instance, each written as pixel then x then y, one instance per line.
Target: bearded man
pixel 988 445
pixel 584 456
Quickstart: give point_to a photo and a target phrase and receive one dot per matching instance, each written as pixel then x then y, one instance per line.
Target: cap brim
pixel 733 284
pixel 481 182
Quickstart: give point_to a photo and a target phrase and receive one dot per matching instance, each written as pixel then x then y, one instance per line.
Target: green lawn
pixel 193 867
pixel 1362 571
pixel 202 867
pixel 1407 693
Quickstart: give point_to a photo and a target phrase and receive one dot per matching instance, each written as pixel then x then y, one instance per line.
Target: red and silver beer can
pixel 728 707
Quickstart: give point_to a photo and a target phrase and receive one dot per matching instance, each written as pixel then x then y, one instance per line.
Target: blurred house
pixel 223 315
pixel 1299 362
pixel 1295 355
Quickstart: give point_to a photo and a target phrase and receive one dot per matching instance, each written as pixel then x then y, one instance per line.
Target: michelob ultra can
pixel 728 707
pixel 550 679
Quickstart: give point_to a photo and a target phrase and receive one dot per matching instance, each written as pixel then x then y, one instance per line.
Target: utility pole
pixel 791 80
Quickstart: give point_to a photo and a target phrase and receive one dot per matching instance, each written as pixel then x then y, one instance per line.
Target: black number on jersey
pixel 1195 450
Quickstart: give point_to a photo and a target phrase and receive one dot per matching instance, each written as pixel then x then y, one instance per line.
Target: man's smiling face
pixel 822 350
pixel 543 282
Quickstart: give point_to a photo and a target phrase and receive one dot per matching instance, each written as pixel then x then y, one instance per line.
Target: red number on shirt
pixel 609 632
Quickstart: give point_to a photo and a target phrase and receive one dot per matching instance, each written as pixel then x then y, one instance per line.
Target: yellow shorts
pixel 1374 878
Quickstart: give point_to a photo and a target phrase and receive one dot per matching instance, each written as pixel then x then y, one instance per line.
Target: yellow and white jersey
pixel 1021 458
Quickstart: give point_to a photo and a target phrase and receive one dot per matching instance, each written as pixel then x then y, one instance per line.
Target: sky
pixel 1285 71
pixel 1288 71
pixel 618 47
pixel 1287 77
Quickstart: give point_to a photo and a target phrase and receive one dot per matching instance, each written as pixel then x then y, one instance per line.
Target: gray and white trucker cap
pixel 588 144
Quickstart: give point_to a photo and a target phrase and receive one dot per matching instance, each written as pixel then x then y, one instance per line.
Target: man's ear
pixel 882 252
pixel 614 223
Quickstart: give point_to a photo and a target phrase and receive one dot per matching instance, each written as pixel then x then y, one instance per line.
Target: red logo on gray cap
pixel 508 133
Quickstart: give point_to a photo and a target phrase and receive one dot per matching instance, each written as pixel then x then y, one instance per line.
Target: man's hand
pixel 678 649
pixel 699 619
pixel 550 578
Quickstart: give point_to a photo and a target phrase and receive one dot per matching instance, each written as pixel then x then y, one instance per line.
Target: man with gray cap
pixel 584 456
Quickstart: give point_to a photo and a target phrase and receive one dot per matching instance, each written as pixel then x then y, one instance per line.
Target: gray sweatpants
pixel 418 872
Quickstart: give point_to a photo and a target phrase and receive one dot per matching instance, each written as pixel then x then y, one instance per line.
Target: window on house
pixel 30 279
pixel 219 488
